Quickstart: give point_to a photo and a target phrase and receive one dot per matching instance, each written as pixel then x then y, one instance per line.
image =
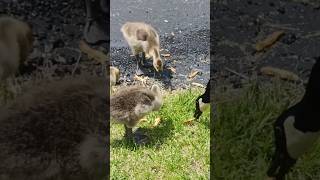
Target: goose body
pixel 297 128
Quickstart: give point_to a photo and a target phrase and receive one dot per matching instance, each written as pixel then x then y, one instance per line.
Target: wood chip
pixel 193 73
pixel 156 122
pixel 282 74
pixel 198 84
pixel 166 55
pixel 189 122
pixel 172 69
pixel 269 41
pixel 98 56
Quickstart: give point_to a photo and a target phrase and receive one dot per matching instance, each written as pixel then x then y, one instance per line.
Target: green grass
pixel 243 140
pixel 176 150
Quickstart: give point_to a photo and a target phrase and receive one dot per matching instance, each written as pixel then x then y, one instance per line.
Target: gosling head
pixel 158 65
pixel 157 61
pixel 158 101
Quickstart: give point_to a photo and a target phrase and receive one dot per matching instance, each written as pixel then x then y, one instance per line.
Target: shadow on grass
pixel 157 136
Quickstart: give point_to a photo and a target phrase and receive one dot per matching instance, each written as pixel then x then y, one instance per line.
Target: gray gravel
pixel 183 26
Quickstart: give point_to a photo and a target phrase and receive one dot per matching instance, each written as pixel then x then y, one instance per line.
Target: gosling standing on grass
pixel 130 104
pixel 297 129
pixel 143 38
pixel 202 102
pixel 15 45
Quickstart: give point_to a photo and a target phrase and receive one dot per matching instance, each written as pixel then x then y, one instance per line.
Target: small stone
pixel 58 43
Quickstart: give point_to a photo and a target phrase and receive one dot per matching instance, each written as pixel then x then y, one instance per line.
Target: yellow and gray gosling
pixel 143 38
pixel 129 105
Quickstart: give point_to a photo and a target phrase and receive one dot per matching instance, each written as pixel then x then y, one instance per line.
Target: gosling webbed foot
pixel 139 71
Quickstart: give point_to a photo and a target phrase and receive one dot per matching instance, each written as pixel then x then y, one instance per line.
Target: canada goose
pixel 15 45
pixel 56 130
pixel 202 102
pixel 143 38
pixel 130 104
pixel 297 128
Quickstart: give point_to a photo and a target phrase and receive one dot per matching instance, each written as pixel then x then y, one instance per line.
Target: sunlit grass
pixel 244 136
pixel 176 150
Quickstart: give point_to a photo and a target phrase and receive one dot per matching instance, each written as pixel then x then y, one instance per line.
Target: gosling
pixel 143 38
pixel 129 105
pixel 15 45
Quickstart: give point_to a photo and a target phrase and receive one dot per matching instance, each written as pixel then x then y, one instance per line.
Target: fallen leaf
pixel 93 53
pixel 198 84
pixel 282 74
pixel 166 55
pixel 193 73
pixel 156 122
pixel 172 69
pixel 189 122
pixel 269 41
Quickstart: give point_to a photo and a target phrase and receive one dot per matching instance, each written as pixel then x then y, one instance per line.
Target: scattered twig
pixel 198 85
pixel 236 73
pixel 281 26
pixel 77 64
